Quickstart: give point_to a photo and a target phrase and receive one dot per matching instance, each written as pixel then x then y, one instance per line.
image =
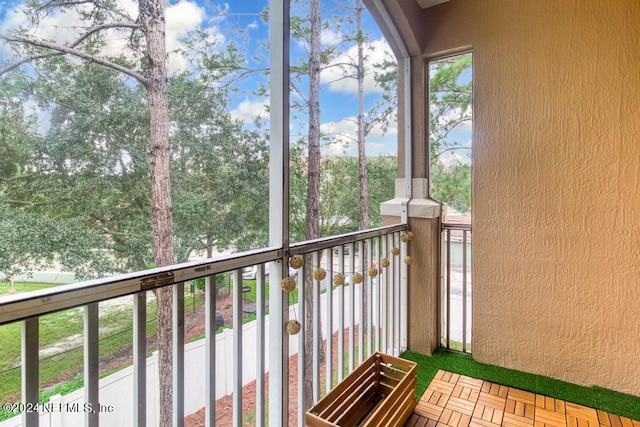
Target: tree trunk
pixel 313 191
pixel 12 283
pixel 152 18
pixel 362 160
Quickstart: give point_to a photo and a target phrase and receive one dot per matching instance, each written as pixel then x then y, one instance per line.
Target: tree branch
pixel 70 50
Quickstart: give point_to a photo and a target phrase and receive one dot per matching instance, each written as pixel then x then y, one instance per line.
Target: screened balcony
pixel 555 260
pixel 225 363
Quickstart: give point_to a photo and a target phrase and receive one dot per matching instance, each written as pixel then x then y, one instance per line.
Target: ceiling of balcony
pixel 428 3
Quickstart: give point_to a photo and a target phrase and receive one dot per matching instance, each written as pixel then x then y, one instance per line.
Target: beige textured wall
pixel 556 238
pixel 423 284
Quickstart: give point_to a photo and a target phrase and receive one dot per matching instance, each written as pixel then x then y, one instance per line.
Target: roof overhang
pixel 428 3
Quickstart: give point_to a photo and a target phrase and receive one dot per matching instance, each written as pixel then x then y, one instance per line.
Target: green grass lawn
pixel 24 287
pixel 65 329
pixel 594 397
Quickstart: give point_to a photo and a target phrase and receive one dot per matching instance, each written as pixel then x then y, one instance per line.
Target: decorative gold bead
pixel 410 235
pixel 293 327
pixel 288 284
pixel 384 263
pixel 373 272
pixel 357 278
pixel 408 260
pixel 404 238
pixel 338 279
pixel 395 251
pixel 319 274
pixel 296 261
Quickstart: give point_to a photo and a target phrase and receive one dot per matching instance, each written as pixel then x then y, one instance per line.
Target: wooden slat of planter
pixel 344 391
pixel 358 375
pixel 402 408
pixel 377 393
pixel 359 407
pixel 404 365
pixel 342 405
pixel 384 378
pixel 394 372
pixel 392 403
pixel 391 382
pixel 312 420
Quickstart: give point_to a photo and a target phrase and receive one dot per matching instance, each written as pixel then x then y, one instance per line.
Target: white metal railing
pixel 456 288
pixel 382 328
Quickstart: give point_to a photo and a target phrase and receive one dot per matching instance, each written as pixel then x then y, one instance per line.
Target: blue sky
pixel 222 21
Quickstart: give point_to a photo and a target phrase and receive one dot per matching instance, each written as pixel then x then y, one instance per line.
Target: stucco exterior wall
pixel 556 183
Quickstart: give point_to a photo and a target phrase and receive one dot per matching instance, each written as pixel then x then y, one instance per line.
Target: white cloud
pixel 343 136
pixel 329 37
pixel 379 131
pixel 346 129
pixel 375 52
pixel 248 109
pixel 451 158
pixel 453 115
pixel 335 149
pixel 376 147
pixel 182 20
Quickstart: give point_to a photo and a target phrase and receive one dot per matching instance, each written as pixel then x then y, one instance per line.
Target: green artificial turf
pixel 595 397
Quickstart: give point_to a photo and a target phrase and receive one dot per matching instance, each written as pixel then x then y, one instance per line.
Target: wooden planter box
pixel 379 392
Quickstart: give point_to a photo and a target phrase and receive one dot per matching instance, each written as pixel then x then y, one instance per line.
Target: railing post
pixel 91 364
pixel 210 351
pixel 140 359
pixel 317 333
pixel 361 324
pixel 352 311
pixel 30 369
pixel 368 284
pixel 301 340
pixel 178 355
pixel 329 321
pixel 404 300
pixel 260 313
pixel 340 308
pixel 237 348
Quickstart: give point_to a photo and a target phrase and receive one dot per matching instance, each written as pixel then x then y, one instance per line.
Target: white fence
pixel 116 390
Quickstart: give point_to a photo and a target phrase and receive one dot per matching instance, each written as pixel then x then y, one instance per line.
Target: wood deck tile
pixel 496 402
pixel 454 400
pixel 428 410
pixel 512 420
pixel 472 383
pixel 461 405
pixel 441 386
pixel 615 420
pixel 519 408
pixel 582 412
pixel 603 418
pixel 626 422
pixel 494 389
pixel 466 393
pixel 549 417
pixel 436 398
pixel 521 396
pixel 478 422
pixel 413 420
pixel 455 419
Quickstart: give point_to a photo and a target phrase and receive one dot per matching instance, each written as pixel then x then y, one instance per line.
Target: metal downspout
pixel 405 63
pixel 279 209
